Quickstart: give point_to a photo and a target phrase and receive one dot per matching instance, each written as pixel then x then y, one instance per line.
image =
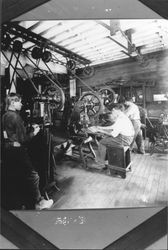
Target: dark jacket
pixel 13 124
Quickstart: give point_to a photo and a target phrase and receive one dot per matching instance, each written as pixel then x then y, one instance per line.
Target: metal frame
pixel 15 29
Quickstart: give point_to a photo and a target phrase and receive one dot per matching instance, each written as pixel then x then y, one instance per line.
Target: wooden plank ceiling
pixel 97 41
pixel 100 41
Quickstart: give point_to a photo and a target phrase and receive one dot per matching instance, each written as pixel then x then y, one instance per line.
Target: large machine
pixel 45 93
pixel 46 96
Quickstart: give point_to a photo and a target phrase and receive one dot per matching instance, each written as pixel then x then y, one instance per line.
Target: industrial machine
pixel 44 95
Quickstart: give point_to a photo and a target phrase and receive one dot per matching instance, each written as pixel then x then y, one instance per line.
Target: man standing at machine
pixel 133 112
pixel 17 163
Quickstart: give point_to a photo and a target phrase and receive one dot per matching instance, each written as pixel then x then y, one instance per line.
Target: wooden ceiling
pixel 94 41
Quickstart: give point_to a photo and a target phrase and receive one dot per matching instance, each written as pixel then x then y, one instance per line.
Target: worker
pixel 133 112
pixel 119 133
pixel 17 163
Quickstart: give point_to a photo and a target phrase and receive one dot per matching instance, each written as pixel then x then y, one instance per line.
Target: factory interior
pixel 68 73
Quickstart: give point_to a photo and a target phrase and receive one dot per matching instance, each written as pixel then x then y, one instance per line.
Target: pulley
pixel 71 65
pixel 55 96
pixel 37 53
pixel 107 95
pixel 17 46
pixel 46 56
pixel 88 71
pixel 90 104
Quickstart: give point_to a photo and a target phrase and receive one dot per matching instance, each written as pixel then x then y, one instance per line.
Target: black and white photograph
pixel 84 121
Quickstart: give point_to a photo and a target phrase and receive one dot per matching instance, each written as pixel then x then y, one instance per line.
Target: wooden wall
pixel 153 75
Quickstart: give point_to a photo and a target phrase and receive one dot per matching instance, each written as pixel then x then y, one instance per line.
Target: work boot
pixel 44 204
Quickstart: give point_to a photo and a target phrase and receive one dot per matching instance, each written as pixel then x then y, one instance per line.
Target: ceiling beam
pixel 30 28
pixel 109 28
pixel 36 25
pixel 63 32
pixel 28 35
pixel 15 8
pixel 117 42
pixel 159 6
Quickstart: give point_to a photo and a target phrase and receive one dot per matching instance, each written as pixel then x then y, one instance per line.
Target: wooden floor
pixel 145 185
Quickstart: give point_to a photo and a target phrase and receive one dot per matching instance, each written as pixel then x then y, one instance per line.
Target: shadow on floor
pixel 64 186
